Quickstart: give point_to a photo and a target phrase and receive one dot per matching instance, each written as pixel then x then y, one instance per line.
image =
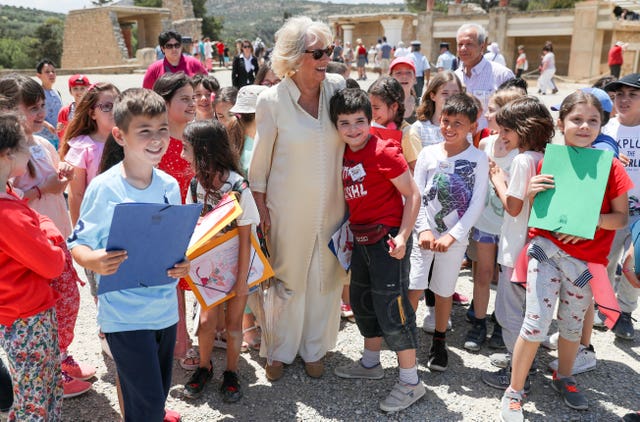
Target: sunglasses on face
pixel 170 46
pixel 246 46
pixel 105 108
pixel 270 83
pixel 318 53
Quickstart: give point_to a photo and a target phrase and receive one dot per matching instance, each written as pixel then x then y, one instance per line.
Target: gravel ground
pixel 457 394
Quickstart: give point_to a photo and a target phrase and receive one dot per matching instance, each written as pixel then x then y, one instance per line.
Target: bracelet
pixel 39 192
pixel 628 270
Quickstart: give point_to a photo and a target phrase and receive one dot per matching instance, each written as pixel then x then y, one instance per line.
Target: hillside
pixel 18 22
pixel 242 20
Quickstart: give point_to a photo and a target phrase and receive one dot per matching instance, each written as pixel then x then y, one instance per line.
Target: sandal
pixel 254 341
pixel 191 361
pixel 221 342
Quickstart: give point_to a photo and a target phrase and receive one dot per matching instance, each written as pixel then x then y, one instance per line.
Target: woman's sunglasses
pixel 317 54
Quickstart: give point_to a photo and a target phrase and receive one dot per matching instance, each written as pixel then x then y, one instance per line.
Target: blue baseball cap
pixel 603 97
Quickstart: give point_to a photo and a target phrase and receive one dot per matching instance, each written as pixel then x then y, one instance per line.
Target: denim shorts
pixel 378 294
pixel 484 237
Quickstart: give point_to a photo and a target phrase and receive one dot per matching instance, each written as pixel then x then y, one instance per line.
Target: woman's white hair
pixel 295 36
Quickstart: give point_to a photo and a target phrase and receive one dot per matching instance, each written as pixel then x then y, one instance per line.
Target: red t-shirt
pixel 366 177
pixel 220 47
pixel 28 260
pixel 615 55
pixel 176 166
pixel 362 51
pixel 595 250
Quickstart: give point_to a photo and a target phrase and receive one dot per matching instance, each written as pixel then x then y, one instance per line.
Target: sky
pixel 63 6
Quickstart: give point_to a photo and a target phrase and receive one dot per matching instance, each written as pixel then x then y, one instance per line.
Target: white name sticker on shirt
pixel 445 167
pixel 357 172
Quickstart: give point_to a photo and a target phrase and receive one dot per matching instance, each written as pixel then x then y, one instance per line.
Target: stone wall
pixel 92 38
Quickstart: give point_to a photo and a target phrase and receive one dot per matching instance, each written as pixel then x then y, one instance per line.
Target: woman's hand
pixel 180 270
pixel 265 219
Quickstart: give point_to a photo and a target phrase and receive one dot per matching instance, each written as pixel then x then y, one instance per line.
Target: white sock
pixel 409 375
pixel 370 358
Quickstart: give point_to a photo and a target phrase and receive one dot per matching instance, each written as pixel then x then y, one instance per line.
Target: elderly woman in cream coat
pixel 295 176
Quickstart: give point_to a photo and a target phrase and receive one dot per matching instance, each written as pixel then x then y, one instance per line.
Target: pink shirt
pixel 85 153
pixel 187 64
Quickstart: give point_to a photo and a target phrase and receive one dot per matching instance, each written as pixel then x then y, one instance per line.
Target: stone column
pixel 424 29
pixel 498 22
pixel 392 30
pixel 347 33
pixel 586 39
pixel 125 28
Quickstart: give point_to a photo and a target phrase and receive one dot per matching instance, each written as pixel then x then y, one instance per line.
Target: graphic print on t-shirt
pixel 450 193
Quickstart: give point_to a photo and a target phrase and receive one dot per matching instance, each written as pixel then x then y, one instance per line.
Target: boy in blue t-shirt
pixel 46 72
pixel 139 323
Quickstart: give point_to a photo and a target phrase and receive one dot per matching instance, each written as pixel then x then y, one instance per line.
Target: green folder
pixel 573 206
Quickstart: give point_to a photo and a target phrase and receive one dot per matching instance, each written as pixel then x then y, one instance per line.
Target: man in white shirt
pixel 423 69
pixel 480 76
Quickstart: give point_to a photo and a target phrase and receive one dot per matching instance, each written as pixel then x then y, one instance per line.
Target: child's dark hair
pixel 112 154
pixel 515 83
pixel 604 81
pixel 169 83
pixel 137 102
pixel 212 152
pixel 82 123
pixel 390 91
pixel 11 132
pixel 208 82
pixel 227 94
pixel 427 106
pixel 262 72
pixel 235 132
pixel 42 63
pixel 579 97
pixel 530 119
pixel 20 89
pixel 461 104
pixel 352 83
pixel 349 101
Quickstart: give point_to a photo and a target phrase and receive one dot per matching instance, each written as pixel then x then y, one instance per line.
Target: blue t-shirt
pixel 606 143
pixel 53 104
pixel 141 308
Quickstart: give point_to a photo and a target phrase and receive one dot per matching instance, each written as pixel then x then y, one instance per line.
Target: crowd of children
pixel 418 203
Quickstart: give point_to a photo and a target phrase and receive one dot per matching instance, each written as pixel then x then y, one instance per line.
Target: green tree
pixel 101 2
pixel 49 41
pixel 148 3
pixel 211 26
pixel 15 53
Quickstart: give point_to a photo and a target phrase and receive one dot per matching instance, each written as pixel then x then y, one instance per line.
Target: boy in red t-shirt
pixel 78 86
pixel 376 178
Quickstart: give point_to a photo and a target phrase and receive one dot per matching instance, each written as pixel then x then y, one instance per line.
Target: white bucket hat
pixel 247 99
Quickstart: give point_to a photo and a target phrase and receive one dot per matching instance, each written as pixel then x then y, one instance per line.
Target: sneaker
pixel 624 327
pixel 356 371
pixel 171 416
pixel 72 387
pixel 345 310
pixel 230 388
pixel 193 388
pixel 511 407
pixel 551 342
pixel 105 347
pixel 585 361
pixel 629 417
pixel 598 320
pixel 501 379
pixel 501 360
pixel 77 370
pixel 402 396
pixel 476 336
pixel 460 299
pixel 495 341
pixel 438 356
pixel 429 322
pixel 568 389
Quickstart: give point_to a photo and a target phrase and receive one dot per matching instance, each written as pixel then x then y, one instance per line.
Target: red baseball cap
pixel 78 80
pixel 402 60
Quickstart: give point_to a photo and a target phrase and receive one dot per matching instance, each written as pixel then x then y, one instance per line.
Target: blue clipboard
pixel 155 237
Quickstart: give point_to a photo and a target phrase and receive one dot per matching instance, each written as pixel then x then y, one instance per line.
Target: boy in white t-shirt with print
pixel 625 129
